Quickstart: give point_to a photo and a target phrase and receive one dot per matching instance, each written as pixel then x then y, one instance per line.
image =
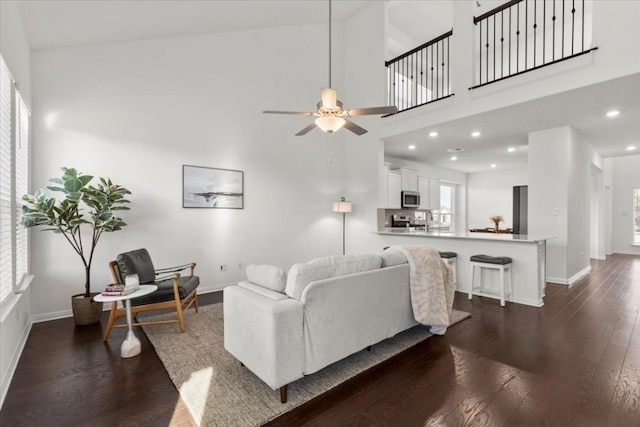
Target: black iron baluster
pixel 494 47
pixel 526 34
pixel 562 29
pixel 431 70
pixel 573 24
pixel 413 83
pixel 582 25
pixel 553 45
pixel 480 53
pixel 501 44
pixel 518 40
pixel 441 43
pixel 509 41
pixel 544 32
pixel 448 68
pixel 487 50
pixel 535 27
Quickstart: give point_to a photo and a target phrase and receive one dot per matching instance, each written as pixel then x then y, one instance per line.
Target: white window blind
pixel 22 187
pixel 6 176
pixel 14 182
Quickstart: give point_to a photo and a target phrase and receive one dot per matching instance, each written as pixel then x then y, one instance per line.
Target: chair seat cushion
pixel 186 285
pixel 498 260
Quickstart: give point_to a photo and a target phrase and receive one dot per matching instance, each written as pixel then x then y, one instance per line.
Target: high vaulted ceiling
pixel 52 24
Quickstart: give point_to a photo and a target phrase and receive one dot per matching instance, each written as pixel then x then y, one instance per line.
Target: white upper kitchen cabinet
pixel 394 189
pixel 409 179
pixel 429 189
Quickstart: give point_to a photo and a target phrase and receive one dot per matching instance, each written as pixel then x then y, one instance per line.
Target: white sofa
pixel 283 327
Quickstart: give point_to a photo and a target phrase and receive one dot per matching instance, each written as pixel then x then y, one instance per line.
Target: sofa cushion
pixel 391 257
pixel 301 274
pixel 267 276
pixel 274 296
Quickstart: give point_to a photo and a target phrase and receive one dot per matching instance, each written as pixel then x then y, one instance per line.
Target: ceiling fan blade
pixel 354 127
pixel 392 109
pixel 298 113
pixel 329 97
pixel 307 129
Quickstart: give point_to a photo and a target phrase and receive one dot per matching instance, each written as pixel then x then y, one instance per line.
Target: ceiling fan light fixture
pixel 330 124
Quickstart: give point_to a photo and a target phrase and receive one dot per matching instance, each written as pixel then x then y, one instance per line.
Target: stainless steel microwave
pixel 410 199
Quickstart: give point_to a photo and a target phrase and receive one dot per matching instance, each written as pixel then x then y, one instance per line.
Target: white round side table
pixel 131 345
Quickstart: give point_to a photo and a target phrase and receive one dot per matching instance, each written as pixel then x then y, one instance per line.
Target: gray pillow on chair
pixel 136 262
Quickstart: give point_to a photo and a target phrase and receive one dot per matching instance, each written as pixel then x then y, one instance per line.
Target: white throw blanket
pixel 432 287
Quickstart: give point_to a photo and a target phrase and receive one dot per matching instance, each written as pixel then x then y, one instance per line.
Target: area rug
pixel 220 392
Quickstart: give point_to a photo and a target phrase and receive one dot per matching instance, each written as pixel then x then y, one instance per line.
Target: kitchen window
pixel 445 216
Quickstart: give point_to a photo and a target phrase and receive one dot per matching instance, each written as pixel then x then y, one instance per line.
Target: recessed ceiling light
pixel 454 157
pixel 493 165
pixel 511 149
pixel 433 134
pixel 455 150
pixel 613 113
pixel 631 148
pixel 475 134
pixel 412 147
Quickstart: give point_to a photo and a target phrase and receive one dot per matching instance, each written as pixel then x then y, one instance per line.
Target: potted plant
pixel 497 219
pixel 84 207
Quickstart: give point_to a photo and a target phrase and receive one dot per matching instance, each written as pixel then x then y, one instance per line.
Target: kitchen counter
pixel 528 253
pixel 524 238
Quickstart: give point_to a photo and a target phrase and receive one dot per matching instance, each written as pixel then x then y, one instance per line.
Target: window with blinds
pixel 14 175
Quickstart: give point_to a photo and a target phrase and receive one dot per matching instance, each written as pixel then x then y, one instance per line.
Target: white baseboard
pixel 579 275
pixel 13 364
pixel 571 280
pixel 55 315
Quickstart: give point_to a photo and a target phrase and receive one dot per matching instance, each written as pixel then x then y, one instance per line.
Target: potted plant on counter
pixel 81 217
pixel 497 219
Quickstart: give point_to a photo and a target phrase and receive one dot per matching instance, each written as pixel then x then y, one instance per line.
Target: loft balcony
pixel 518 37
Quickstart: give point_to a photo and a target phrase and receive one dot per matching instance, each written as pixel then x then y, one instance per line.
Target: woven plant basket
pixel 86 311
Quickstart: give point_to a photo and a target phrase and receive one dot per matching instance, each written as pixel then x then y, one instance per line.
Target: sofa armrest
pixel 264 334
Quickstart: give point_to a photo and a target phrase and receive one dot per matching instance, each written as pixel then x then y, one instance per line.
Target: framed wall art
pixel 204 187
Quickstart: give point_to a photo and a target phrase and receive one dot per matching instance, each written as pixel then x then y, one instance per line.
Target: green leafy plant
pixel 69 217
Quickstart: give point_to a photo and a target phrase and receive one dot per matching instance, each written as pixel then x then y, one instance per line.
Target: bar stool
pixel 452 260
pixel 500 263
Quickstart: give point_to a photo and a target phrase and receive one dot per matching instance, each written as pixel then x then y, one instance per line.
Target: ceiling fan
pixel 330 116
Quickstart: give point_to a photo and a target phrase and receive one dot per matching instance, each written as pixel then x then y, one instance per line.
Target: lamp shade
pixel 342 206
pixel 330 124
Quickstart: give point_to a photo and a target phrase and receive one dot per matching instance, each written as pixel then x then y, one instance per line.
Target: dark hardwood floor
pixel 573 362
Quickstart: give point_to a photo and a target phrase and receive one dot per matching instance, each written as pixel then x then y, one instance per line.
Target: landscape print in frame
pixel 204 187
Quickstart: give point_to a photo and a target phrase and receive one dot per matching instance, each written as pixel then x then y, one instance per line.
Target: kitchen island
pixel 528 254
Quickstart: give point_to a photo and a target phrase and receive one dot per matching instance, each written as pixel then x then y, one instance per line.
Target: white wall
pixel 560 199
pixel 364 86
pixel 15 312
pixel 138 111
pixel 624 173
pixel 491 193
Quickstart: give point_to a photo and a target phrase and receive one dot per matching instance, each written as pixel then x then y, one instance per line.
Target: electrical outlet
pixel 240 266
pixel 224 267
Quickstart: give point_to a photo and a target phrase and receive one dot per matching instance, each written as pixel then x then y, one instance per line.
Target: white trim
pixel 11 370
pixel 625 252
pixel 55 315
pixel 579 275
pixel 24 284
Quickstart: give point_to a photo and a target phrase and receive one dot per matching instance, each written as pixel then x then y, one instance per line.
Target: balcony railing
pixel 524 35
pixel 421 75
